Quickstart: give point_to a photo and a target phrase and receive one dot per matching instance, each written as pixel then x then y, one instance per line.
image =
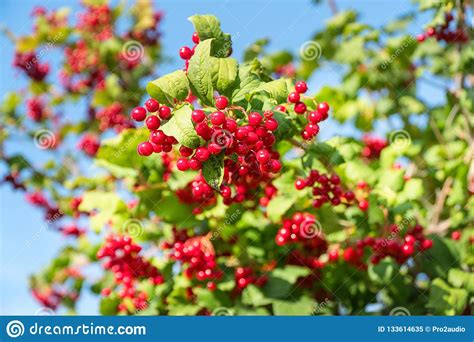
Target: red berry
pixel 221 102
pixel 211 286
pixel 138 114
pixel 165 112
pixel 185 151
pixel 152 105
pixel 263 156
pixel 323 108
pixel 333 255
pixel 271 124
pixel 194 164
pixel 185 53
pixel 426 244
pixel 158 137
pixel 202 154
pixel 364 205
pixel 315 117
pixel 407 249
pixel 255 119
pixel 195 38
pixel 294 97
pixel 300 108
pixel 106 291
pixel 420 37
pixel 145 149
pixel 430 31
pixel 301 87
pixel 198 115
pixel 152 122
pixel 217 118
pixel 456 235
pixel 410 239
pixel 182 164
pixel 300 184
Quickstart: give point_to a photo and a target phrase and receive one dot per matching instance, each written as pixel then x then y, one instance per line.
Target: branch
pixel 435 226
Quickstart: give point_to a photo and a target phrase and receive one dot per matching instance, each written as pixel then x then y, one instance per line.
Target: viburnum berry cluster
pixel 90 144
pixel 326 188
pixel 373 146
pixel 300 227
pixel 449 32
pixel 244 276
pixel 129 267
pixel 198 259
pixel 52 212
pixel 29 63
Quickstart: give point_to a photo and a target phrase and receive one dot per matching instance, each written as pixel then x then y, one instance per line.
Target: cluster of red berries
pixel 35 109
pixel 326 188
pixel 309 256
pixel 373 146
pixel 13 179
pixel 392 246
pixel 314 117
pixel 128 266
pixel 112 117
pixel 444 32
pixel 72 230
pixel 269 192
pixel 244 276
pixel 186 52
pixel 50 297
pixel 97 21
pixel 300 227
pixel 52 213
pixel 198 257
pixel 159 141
pixel 29 63
pixel 197 192
pixel 149 35
pixel 90 144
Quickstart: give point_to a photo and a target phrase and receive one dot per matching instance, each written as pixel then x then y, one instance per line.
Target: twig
pixel 435 226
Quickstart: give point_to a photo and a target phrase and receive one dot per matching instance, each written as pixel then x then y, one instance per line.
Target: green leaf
pixel 290 273
pixel 383 272
pixel 248 81
pixel 224 74
pixel 445 300
pixel 253 296
pixel 213 170
pixel 171 87
pixel 302 307
pixel 461 279
pixel 181 127
pixel 277 90
pixel 108 305
pixel 439 259
pixel 200 72
pixel 208 27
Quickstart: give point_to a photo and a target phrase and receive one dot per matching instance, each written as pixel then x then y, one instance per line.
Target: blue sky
pixel 25 245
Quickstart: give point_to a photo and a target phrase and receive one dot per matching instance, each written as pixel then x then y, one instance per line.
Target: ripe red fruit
pixel 300 184
pixel 301 87
pixel 364 205
pixel 152 105
pixel 456 235
pixel 165 112
pixel 410 239
pixel 182 164
pixel 202 154
pixel 255 119
pixel 145 149
pixel 185 53
pixel 194 164
pixel 138 114
pixel 420 37
pixel 430 31
pixel 333 255
pixel 263 156
pixel 294 97
pixel 426 244
pixel 198 115
pixel 152 122
pixel 271 124
pixel 300 108
pixel 323 108
pixel 217 118
pixel 315 117
pixel 158 137
pixel 407 249
pixel 195 38
pixel 211 286
pixel 221 102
